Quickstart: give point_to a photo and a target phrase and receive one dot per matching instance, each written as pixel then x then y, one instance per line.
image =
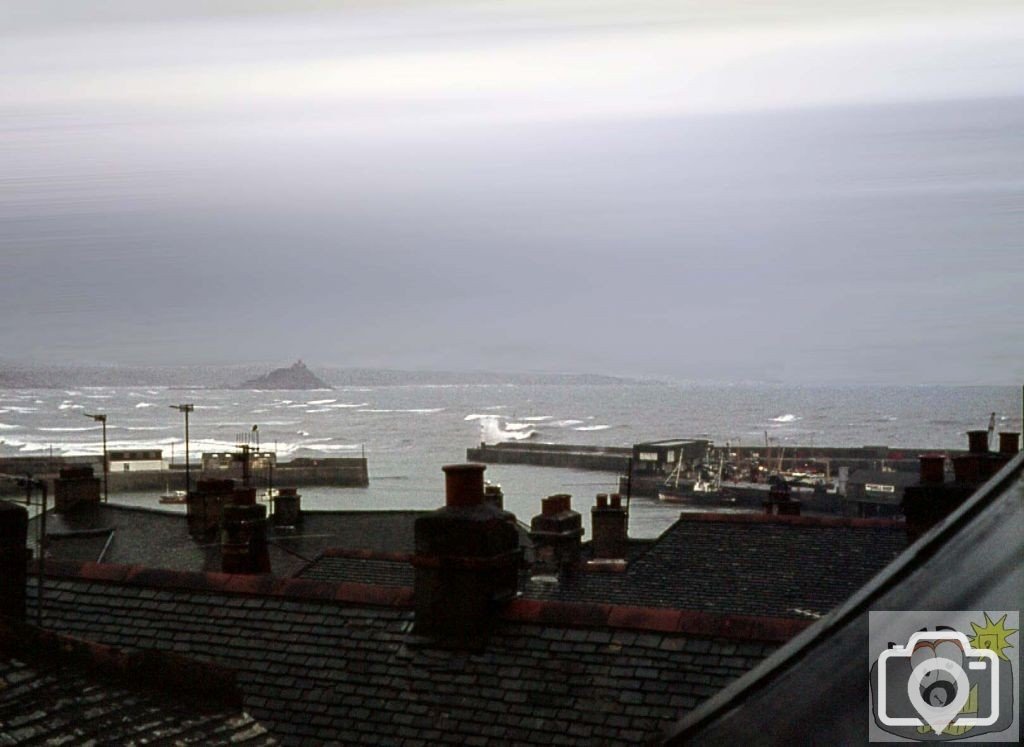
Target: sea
pixel 408 433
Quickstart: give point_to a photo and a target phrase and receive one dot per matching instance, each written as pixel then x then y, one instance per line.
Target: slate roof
pixel 60 690
pixel 972 560
pixel 338 565
pixel 745 564
pixel 160 539
pixel 58 705
pixel 325 662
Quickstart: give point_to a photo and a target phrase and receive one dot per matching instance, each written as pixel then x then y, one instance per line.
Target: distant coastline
pixel 37 376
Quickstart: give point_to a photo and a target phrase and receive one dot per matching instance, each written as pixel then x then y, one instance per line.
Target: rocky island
pixel 296 376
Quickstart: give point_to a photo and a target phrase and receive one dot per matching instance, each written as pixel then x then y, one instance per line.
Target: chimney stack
pixel 933 469
pixel 1009 443
pixel 928 503
pixel 75 486
pixel 243 539
pixel 13 559
pixel 780 501
pixel 207 502
pixel 466 561
pixel 493 496
pixel 287 507
pixel 556 534
pixel 609 525
pixel 977 442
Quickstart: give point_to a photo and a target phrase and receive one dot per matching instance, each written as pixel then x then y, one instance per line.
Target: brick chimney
pixel 931 501
pixel 556 534
pixel 243 539
pixel 75 486
pixel 13 559
pixel 466 561
pixel 1009 443
pixel 494 496
pixel 780 500
pixel 206 504
pixel 933 469
pixel 609 525
pixel 287 507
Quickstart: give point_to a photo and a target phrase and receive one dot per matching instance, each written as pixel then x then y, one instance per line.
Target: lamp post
pixel 102 419
pixel 188 474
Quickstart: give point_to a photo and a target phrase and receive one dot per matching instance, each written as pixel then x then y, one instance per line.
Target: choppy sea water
pixel 409 432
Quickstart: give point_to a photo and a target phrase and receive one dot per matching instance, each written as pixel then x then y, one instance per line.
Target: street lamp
pixel 102 418
pixel 188 479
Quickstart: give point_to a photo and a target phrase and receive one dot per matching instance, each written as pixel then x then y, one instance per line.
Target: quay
pixel 335 472
pixel 601 458
pixel 644 467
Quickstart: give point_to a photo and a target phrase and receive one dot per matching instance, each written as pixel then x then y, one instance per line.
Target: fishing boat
pixel 174 496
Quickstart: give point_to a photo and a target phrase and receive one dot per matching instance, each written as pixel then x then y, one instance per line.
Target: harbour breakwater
pixel 334 472
pixel 824 459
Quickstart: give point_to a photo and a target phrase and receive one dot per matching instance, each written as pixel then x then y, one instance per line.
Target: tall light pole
pixel 102 419
pixel 188 474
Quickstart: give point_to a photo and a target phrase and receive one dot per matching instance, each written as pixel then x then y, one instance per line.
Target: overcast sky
pixel 815 191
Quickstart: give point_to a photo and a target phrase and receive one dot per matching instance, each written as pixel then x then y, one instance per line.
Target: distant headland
pixel 296 376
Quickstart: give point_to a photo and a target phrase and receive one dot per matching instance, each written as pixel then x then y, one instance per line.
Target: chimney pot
pixel 602 500
pixel 464 484
pixel 977 442
pixel 1009 442
pixel 616 500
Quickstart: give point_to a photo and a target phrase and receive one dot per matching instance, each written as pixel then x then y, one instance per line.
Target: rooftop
pixel 976 552
pixel 746 564
pixel 56 690
pixel 317 662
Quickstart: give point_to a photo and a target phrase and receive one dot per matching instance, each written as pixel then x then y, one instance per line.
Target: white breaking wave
pixel 330 447
pixel 321 401
pixel 317 409
pixel 538 418
pixel 65 406
pixel 8 427
pixel 517 426
pixel 478 416
pixel 592 428
pixel 565 423
pixel 787 418
pixel 147 427
pixel 69 429
pixel 140 405
pixel 346 405
pixel 491 431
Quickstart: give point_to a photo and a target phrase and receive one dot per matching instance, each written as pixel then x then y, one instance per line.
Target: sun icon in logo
pixel 993 636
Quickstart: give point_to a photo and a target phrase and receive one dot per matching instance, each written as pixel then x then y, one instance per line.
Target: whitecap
pixel 376 411
pixel 321 401
pixel 565 423
pixel 140 405
pixel 517 426
pixel 592 428
pixel 318 409
pixel 346 405
pixel 8 427
pixel 69 429
pixel 538 418
pixel 787 418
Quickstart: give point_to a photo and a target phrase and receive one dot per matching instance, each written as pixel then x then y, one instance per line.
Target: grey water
pixel 409 432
